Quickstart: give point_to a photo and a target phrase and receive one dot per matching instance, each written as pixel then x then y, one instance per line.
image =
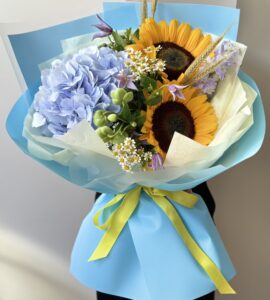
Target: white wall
pixel 44 209
pixel 37 208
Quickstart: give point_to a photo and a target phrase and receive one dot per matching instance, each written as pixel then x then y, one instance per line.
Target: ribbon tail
pixel 203 260
pixel 117 224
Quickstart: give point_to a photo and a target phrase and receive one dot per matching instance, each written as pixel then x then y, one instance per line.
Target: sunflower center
pixel 177 59
pixel 170 117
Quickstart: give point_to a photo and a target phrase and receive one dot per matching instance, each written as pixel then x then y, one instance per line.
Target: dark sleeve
pixel 205 193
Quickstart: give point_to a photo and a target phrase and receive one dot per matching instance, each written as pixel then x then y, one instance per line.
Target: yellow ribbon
pixel 129 202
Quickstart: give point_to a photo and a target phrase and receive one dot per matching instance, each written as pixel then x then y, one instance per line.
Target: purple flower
pixel 228 49
pixel 105 29
pixel 126 80
pixel 207 85
pixel 176 91
pixel 221 72
pixel 157 162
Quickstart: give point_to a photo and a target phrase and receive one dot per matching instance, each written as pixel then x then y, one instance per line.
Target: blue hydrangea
pixel 74 88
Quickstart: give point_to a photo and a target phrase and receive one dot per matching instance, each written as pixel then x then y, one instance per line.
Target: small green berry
pixel 116 101
pixel 100 113
pixel 118 94
pixel 100 122
pixel 105 130
pixel 128 97
pixel 99 118
pixel 112 118
pixel 100 133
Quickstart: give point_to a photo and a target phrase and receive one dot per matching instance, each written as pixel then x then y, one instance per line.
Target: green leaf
pixel 137 33
pixel 118 39
pixel 154 99
pixel 126 113
pixel 128 33
pixel 119 138
pixel 140 120
pixel 148 83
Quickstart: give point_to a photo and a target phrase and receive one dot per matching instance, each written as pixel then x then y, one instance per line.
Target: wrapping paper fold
pixel 92 165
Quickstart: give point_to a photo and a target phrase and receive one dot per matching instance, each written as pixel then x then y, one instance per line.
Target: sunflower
pixel 179 43
pixel 192 116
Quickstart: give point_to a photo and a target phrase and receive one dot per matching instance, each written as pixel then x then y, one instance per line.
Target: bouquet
pixel 142 113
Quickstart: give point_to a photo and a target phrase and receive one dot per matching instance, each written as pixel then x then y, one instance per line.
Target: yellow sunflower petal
pixel 164 31
pixel 183 34
pixel 206 128
pixel 198 111
pixel 147 39
pixel 190 93
pixel 203 44
pixel 204 139
pixel 173 28
pixel 143 137
pixel 207 118
pixel 151 139
pixel 195 101
pixel 193 40
pixel 208 122
pixel 153 30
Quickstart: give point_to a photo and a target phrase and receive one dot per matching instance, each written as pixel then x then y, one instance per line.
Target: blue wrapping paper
pixel 210 18
pixel 149 260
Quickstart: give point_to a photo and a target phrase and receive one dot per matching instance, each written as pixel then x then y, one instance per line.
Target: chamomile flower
pixel 130 156
pixel 144 62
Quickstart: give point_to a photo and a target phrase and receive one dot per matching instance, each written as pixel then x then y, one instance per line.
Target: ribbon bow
pixel 129 202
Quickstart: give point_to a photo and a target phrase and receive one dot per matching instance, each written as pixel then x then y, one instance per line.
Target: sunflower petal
pixel 173 28
pixel 204 139
pixel 206 121
pixel 164 31
pixel 201 110
pixel 153 30
pixel 146 38
pixel 206 130
pixel 203 44
pixel 183 34
pixel 194 101
pixel 193 40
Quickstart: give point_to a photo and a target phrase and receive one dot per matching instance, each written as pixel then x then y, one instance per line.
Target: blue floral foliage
pixel 75 87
